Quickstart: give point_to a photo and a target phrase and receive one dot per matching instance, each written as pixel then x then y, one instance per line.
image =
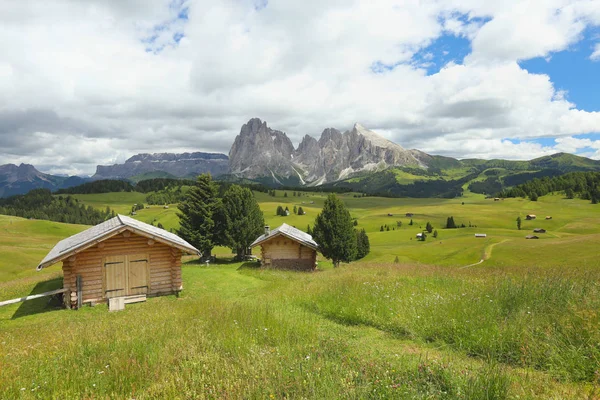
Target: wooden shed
pixel 119 258
pixel 287 247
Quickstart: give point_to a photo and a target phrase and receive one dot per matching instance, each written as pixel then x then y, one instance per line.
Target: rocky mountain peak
pixel 261 151
pixel 375 138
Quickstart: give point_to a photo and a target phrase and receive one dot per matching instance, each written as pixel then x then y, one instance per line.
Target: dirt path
pixel 487 253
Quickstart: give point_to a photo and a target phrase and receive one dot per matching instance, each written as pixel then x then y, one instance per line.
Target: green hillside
pixel 438 324
pixel 448 177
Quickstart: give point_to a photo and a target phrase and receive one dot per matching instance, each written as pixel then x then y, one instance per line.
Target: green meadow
pixel 524 323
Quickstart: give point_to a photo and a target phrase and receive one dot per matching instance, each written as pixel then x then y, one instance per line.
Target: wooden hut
pixel 539 230
pixel 287 247
pixel 530 217
pixel 121 258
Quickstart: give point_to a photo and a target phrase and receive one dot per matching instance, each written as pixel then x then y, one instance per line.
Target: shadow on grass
pixel 249 265
pixel 43 304
pixel 217 261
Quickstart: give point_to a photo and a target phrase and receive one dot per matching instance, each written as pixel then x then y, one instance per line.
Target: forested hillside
pixel 585 185
pixel 41 204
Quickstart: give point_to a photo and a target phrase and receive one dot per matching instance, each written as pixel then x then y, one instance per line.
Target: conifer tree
pixel 334 232
pixel 429 227
pixel 244 220
pixel 362 244
pixel 196 216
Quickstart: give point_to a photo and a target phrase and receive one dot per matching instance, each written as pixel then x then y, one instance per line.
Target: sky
pixel 94 82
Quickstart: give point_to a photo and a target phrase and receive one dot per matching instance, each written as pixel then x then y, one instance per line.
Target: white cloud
pixel 596 54
pixel 83 83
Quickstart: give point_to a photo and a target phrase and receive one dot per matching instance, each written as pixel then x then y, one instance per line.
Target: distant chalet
pixel 288 248
pixel 121 257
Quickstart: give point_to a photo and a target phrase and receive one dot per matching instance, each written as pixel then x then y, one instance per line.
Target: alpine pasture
pixel 523 323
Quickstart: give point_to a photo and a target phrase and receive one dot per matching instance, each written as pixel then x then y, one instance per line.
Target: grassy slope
pixel 255 334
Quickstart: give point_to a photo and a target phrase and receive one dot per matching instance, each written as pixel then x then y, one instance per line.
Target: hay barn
pixel 288 248
pixel 530 217
pixel 539 230
pixel 119 258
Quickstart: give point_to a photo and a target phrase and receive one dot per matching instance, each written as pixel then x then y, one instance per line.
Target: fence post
pixel 79 292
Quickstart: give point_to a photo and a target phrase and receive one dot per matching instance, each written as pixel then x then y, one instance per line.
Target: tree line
pixel 208 218
pixel 41 204
pixel 233 219
pixel 585 185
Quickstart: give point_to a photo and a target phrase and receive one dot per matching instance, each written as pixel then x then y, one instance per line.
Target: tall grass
pixel 207 347
pixel 547 319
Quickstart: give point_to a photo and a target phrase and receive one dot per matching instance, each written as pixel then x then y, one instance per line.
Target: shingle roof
pixel 66 247
pixel 290 232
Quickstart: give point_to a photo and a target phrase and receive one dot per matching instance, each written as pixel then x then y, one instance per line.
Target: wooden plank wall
pixel 165 266
pixel 282 248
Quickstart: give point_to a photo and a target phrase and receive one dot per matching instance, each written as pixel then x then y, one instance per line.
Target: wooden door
pixel 115 276
pixel 137 274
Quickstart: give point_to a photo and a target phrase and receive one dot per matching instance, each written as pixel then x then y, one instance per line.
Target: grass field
pixel 525 323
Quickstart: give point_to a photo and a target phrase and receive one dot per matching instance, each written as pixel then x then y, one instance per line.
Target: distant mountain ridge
pixel 357 159
pixel 25 177
pixel 182 165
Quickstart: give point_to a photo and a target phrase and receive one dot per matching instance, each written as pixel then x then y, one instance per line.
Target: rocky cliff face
pixel 179 165
pixel 259 152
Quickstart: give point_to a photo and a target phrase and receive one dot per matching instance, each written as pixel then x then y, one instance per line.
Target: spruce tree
pixel 196 214
pixel 244 220
pixel 362 244
pixel 334 232
pixel 429 227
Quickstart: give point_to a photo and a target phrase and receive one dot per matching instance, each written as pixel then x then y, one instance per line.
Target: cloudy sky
pixel 93 82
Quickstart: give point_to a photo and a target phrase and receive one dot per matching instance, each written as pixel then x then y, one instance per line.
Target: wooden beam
pixel 34 296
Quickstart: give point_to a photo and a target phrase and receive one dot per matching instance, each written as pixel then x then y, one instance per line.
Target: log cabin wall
pixel 164 267
pixel 282 252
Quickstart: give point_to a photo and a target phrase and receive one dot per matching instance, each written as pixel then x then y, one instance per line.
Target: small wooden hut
pixel 119 258
pixel 287 247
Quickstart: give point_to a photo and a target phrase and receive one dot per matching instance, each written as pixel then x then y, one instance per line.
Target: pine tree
pixel 355 223
pixel 381 229
pixel 280 211
pixel 519 223
pixel 411 222
pixel 284 194
pixel 363 247
pixel 244 221
pixel 334 233
pixel 429 227
pixel 196 214
pixel 300 211
pixel 295 208
pixel 450 224
pixel 396 260
pixel 435 234
pixel 308 230
pixel 533 196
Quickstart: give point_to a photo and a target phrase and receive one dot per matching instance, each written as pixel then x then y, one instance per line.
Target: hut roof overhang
pixel 289 232
pixel 107 229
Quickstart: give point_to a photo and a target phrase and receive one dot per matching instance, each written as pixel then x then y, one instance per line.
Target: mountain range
pixel 356 159
pixel 23 178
